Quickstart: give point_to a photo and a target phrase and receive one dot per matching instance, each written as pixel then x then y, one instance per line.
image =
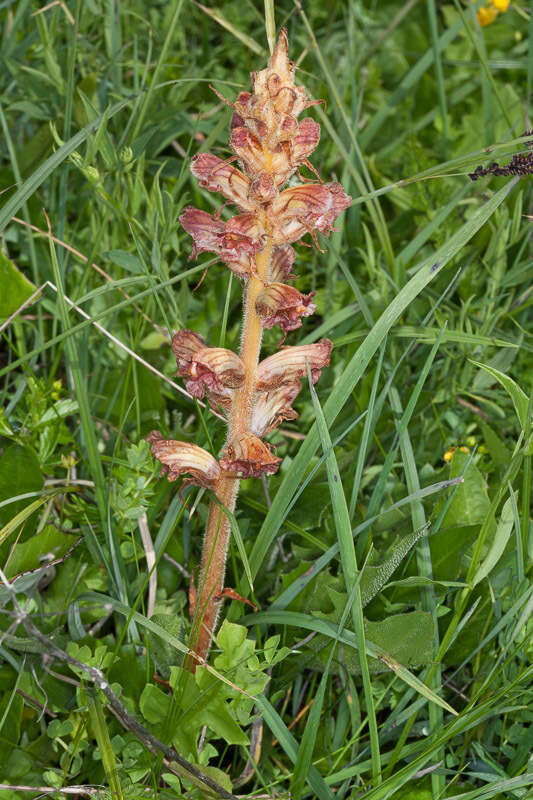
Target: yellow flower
pixel 448 455
pixel 488 13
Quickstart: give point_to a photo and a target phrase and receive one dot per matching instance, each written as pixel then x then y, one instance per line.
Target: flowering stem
pixel 216 540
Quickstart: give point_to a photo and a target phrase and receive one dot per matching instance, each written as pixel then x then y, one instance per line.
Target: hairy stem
pixel 216 540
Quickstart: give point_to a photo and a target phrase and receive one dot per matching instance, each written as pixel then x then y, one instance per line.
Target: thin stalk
pixel 215 547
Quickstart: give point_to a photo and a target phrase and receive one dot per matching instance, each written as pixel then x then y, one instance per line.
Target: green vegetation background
pixel 410 677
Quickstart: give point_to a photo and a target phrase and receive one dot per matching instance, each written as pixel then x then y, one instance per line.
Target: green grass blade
pixel 348 559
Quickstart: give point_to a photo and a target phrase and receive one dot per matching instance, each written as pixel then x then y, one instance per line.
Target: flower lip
pixel 180 458
pixel 290 363
pixel 283 305
pixel 249 457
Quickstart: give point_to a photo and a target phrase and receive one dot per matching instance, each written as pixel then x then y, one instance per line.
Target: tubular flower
pixel 218 176
pixel 272 408
pixel 179 458
pixel 283 305
pixel 269 143
pixel 289 364
pixel 281 264
pixel 210 370
pixel 249 457
pixel 212 235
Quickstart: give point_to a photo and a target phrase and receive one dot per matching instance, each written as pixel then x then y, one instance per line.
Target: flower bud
pixel 180 458
pixel 289 364
pixel 283 305
pixel 249 457
pixel 272 408
pixel 218 176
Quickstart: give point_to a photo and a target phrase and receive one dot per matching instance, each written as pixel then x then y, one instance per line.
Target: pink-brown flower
pixel 301 209
pixel 289 364
pixel 210 370
pixel 283 305
pixel 272 408
pixel 249 457
pixel 218 176
pixel 185 344
pixel 281 264
pixel 181 458
pixel 235 241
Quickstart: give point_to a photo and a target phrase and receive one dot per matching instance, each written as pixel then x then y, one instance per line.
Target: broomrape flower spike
pixel 270 144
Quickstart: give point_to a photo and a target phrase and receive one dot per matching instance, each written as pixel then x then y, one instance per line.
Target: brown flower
pixel 272 408
pixel 283 305
pixel 249 457
pixel 301 209
pixel 180 458
pixel 289 364
pixel 218 176
pixel 210 370
pixel 234 242
pixel 282 262
pixel 185 344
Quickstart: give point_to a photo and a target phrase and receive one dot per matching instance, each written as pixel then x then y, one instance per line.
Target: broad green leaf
pixel 128 261
pixel 19 474
pixel 501 537
pixel 470 503
pixel 16 288
pixel 27 555
pixel 214 773
pixel 163 653
pixel 373 650
pixel 517 395
pixel 154 704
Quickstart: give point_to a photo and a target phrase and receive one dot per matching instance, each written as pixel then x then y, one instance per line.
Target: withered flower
pixel 283 305
pixel 289 364
pixel 249 457
pixel 182 458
